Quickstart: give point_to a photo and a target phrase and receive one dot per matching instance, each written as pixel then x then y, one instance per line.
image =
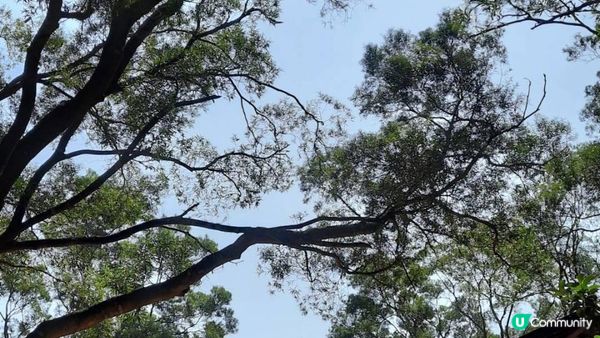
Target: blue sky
pixel 317 56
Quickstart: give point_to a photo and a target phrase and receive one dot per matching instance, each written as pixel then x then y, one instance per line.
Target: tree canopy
pixel 528 232
pixel 463 204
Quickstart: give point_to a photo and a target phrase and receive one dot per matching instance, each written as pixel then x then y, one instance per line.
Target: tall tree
pixel 124 82
pixel 84 246
pixel 528 235
pixel 453 162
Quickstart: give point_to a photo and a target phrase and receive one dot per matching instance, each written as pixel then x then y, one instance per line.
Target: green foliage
pixel 462 257
pixel 16 34
pixel 580 296
pixel 176 63
pixel 471 207
pixel 78 277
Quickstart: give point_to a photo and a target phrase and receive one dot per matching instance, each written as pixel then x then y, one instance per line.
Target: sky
pixel 317 55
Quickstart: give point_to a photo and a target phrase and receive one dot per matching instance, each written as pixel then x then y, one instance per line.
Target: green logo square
pixel 520 321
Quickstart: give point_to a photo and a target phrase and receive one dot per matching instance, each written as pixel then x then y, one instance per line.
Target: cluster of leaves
pixel 580 297
pixel 36 286
pixel 477 253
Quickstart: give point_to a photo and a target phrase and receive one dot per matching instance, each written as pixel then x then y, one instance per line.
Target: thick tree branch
pixel 179 285
pixel 72 112
pixel 29 83
pixel 17 83
pixel 16 226
pixel 310 236
pixel 120 235
pixel 171 288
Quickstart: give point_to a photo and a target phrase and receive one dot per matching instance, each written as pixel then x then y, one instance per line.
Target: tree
pixel 445 163
pixel 543 222
pixel 125 81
